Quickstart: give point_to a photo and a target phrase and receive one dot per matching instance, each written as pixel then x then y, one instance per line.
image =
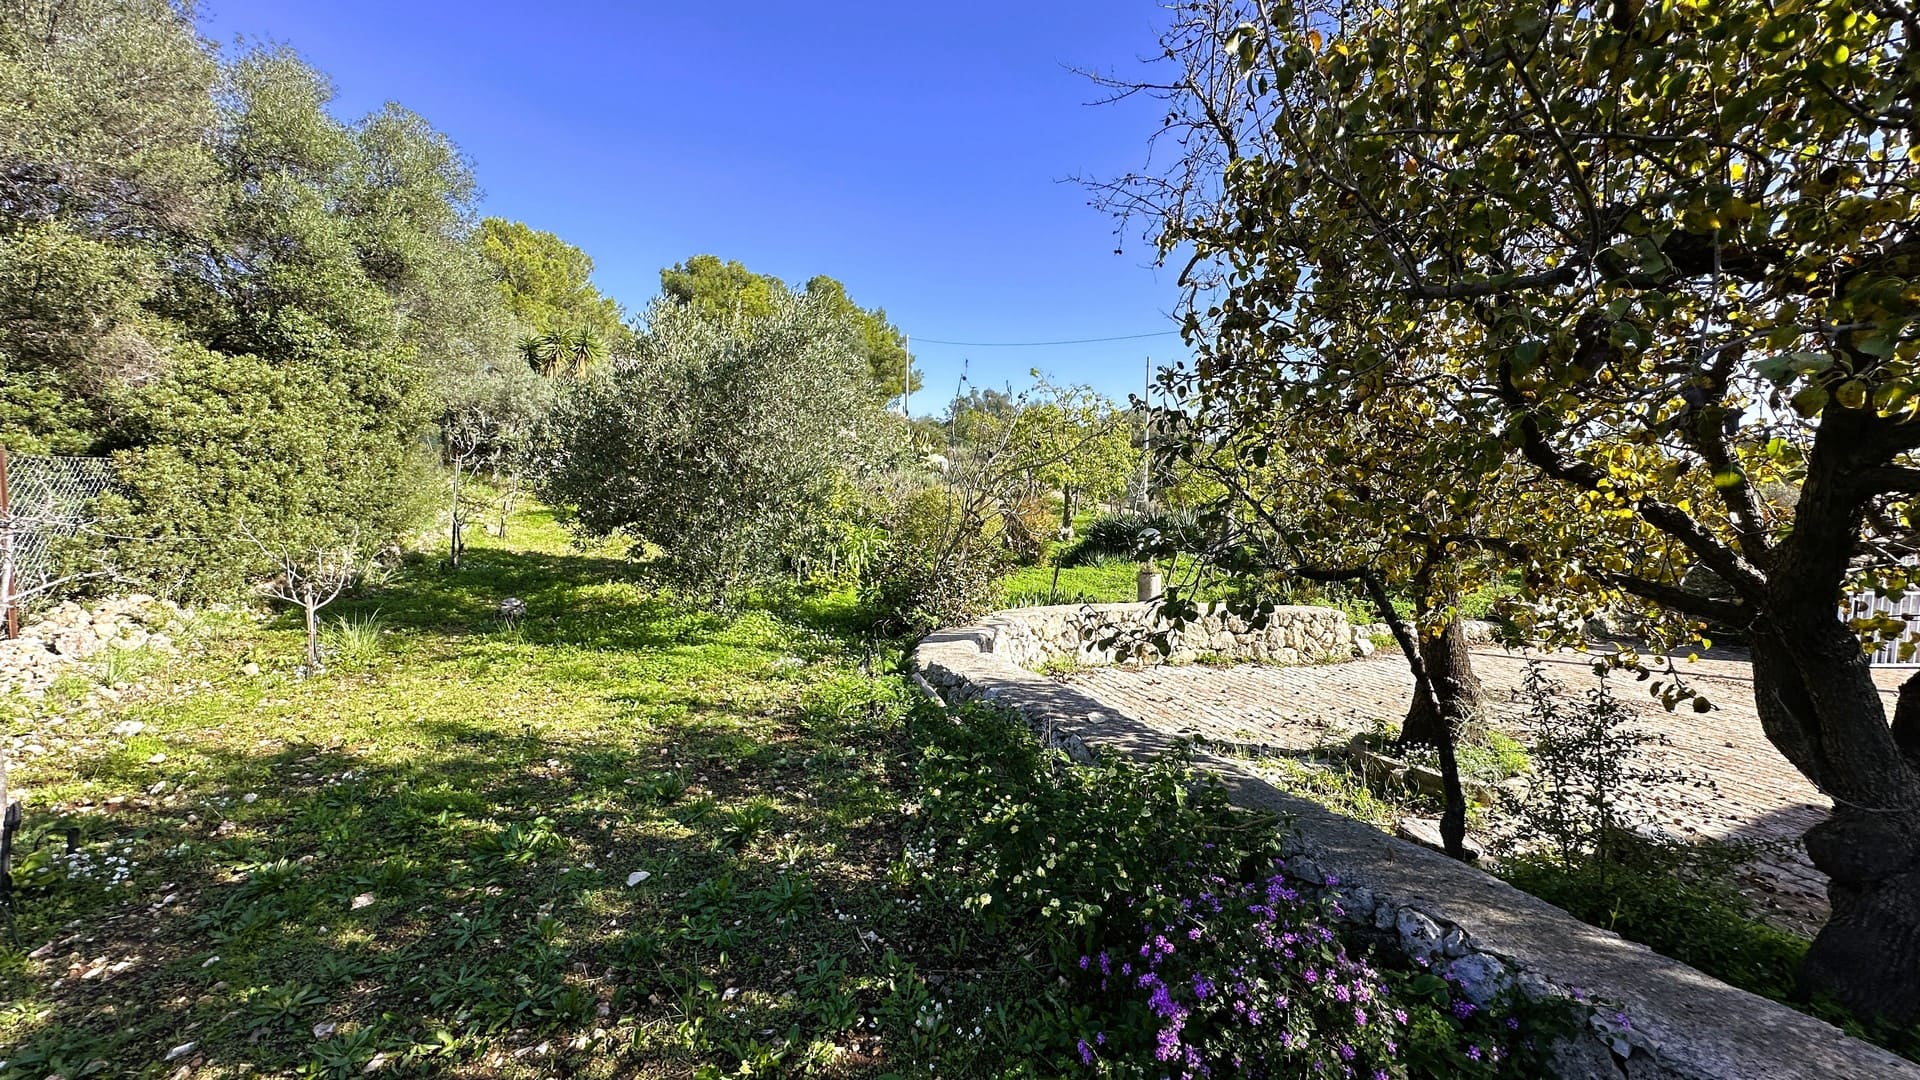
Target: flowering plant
pixel 1250 979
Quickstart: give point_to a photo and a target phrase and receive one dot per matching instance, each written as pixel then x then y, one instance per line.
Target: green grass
pixel 1111 581
pixel 426 851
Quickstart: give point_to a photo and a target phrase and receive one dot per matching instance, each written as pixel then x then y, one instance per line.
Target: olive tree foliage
pixel 260 309
pixel 105 179
pixel 1661 258
pixel 718 447
pixel 490 428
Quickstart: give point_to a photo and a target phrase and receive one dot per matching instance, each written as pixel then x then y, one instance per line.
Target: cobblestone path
pixel 1753 793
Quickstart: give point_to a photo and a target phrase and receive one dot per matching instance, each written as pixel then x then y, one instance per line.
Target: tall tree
pixel 882 346
pixel 106 177
pixel 548 284
pixel 1661 256
pixel 726 290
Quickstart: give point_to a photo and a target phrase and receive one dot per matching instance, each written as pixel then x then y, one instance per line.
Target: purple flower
pixel 1400 1016
pixel 1360 1017
pixel 1086 1053
pixel 1473 1053
pixel 1463 1009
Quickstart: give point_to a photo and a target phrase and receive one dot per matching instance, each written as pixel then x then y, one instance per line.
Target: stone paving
pixel 1741 788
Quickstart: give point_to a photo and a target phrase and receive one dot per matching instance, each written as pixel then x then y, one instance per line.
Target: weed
pixel 354 639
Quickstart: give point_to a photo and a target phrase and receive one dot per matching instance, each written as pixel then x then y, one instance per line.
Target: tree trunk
pixel 1814 691
pixel 1453 812
pixel 454 543
pixel 1457 691
pixel 313 634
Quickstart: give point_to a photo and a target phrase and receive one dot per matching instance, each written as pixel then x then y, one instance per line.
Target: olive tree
pixel 719 445
pixel 1662 258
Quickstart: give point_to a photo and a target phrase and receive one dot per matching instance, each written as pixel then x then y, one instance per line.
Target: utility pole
pixel 1146 439
pixel 906 376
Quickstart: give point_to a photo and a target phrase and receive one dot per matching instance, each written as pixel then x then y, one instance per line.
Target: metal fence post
pixel 6 552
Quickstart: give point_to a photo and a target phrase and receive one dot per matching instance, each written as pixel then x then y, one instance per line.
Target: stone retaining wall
pixel 1034 637
pixel 1650 1018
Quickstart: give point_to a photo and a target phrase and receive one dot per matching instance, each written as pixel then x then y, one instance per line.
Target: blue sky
pixel 914 151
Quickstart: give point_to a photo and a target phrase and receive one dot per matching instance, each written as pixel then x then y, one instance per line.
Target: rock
pixel 637 877
pixel 249 669
pixel 1482 978
pixel 180 1051
pixel 324 1028
pixel 1419 935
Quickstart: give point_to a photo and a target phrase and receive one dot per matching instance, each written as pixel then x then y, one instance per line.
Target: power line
pixel 1035 344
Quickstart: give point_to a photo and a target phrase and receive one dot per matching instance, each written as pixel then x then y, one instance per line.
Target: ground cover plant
pixel 1200 951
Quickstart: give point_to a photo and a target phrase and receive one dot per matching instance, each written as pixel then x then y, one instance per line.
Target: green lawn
pixel 1112 581
pixel 618 838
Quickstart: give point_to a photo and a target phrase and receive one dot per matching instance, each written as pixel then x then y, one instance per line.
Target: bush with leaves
pixel 938 567
pixel 299 455
pixel 1135 535
pixel 720 445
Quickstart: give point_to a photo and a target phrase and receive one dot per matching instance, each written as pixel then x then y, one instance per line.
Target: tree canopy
pixel 723 290
pixel 1658 257
pixel 720 448
pixel 548 284
pixel 258 307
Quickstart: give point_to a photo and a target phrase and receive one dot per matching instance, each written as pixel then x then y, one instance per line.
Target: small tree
pixel 1661 257
pixel 490 425
pixel 310 576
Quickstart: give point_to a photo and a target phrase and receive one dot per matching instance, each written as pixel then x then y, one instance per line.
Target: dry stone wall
pixel 1076 633
pixel 1649 1017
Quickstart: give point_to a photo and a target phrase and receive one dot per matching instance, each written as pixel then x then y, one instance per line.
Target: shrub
pixel 1134 535
pixel 912 590
pixel 939 565
pixel 299 454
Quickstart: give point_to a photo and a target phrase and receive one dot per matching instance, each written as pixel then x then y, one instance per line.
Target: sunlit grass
pixel 428 846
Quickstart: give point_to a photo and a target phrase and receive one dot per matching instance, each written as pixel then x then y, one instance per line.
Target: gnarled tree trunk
pixel 1818 704
pixel 1457 692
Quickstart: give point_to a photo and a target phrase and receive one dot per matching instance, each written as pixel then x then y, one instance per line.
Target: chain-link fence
pixel 44 499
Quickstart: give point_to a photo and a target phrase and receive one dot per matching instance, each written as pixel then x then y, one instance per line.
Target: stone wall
pixel 1034 637
pixel 1649 1018
pixel 73 633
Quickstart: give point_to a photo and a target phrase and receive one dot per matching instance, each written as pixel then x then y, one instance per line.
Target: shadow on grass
pixel 318 876
pixel 473 902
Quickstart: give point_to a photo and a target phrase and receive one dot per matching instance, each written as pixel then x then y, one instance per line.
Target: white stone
pixel 1419 935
